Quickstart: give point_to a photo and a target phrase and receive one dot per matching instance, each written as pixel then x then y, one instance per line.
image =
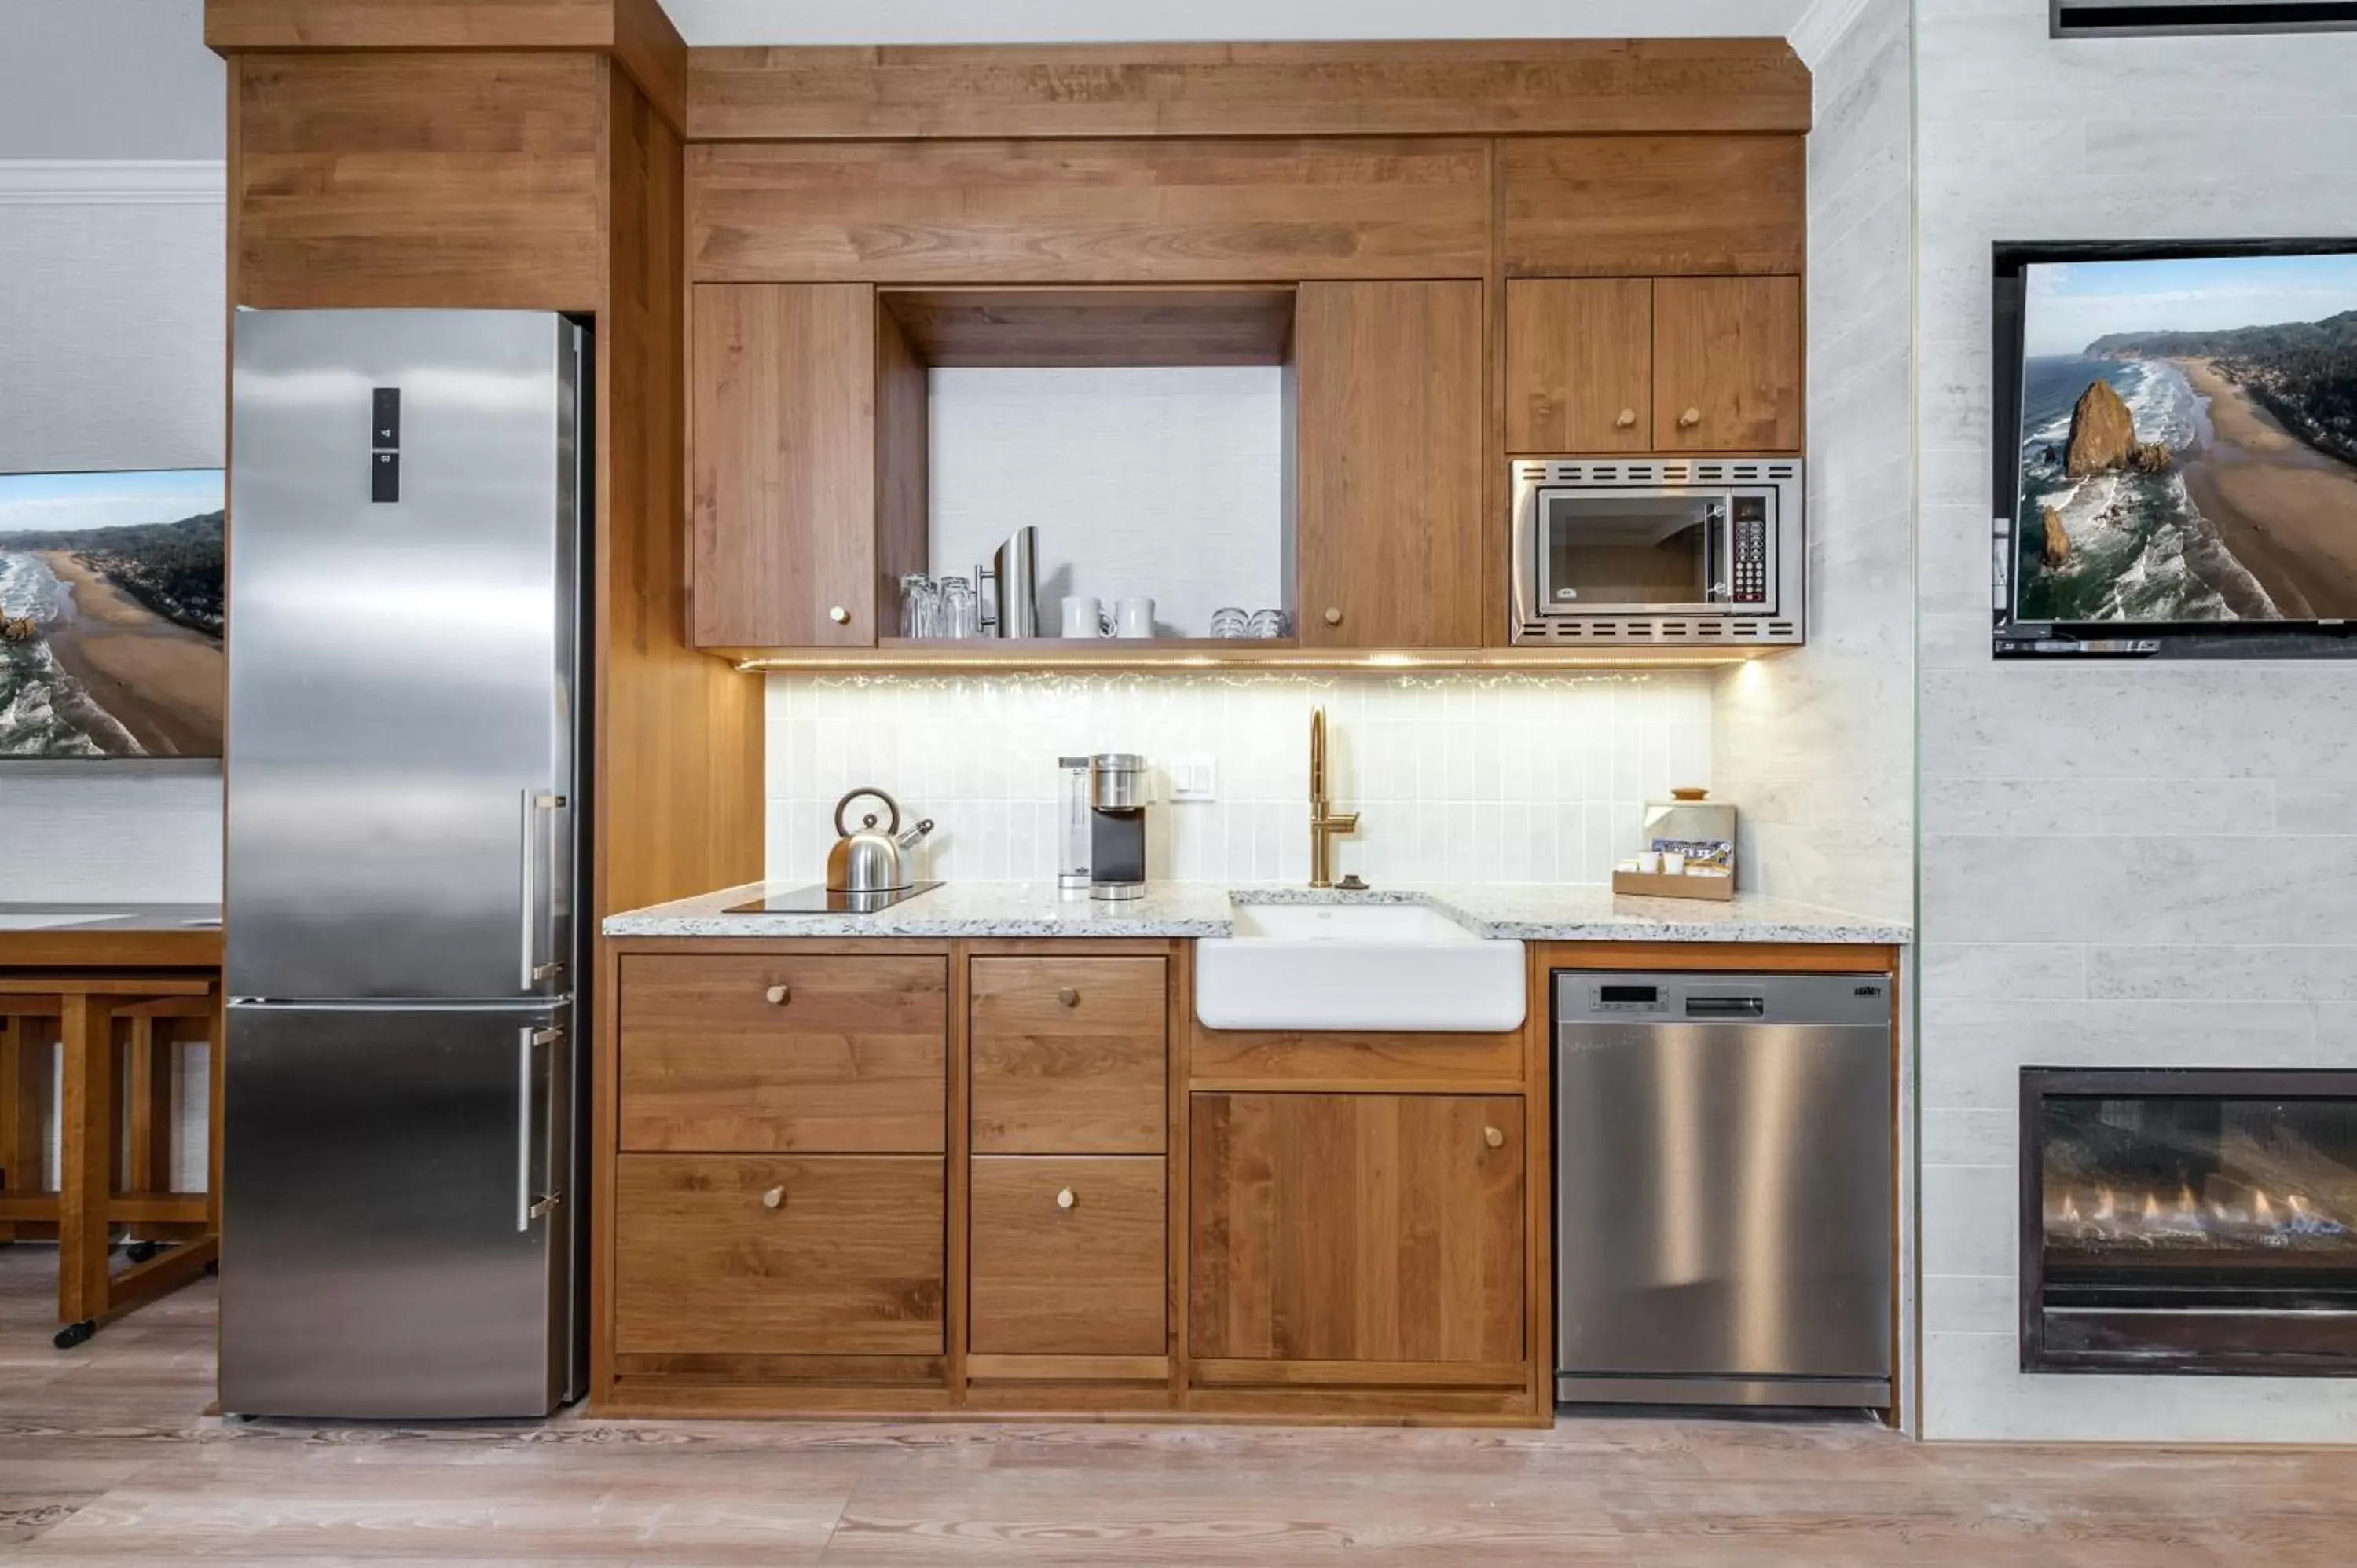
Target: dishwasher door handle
pixel 1726 1006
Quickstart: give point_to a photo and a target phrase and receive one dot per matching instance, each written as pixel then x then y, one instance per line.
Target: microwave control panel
pixel 1750 583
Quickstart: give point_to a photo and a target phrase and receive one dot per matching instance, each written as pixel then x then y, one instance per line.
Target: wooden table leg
pixel 13 1179
pixel 86 1137
pixel 147 1088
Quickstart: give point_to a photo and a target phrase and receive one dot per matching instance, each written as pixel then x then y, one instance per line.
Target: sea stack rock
pixel 2056 547
pixel 2102 433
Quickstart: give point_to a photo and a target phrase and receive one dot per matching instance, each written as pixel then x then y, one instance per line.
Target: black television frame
pixel 208 766
pixel 2012 638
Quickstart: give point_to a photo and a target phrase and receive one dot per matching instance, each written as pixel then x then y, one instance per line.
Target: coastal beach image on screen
pixel 110 605
pixel 2188 440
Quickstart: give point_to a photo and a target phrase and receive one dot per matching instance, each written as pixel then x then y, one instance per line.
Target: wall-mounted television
pixel 110 615
pixel 2176 449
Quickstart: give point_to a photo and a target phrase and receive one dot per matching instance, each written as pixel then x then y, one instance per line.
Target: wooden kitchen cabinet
pixel 1726 364
pixel 1067 1256
pixel 824 1254
pixel 1579 365
pixel 1389 443
pixel 1370 1228
pixel 755 1053
pixel 782 451
pixel 1070 1055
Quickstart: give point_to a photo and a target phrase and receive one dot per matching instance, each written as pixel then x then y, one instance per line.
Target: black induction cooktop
pixel 821 899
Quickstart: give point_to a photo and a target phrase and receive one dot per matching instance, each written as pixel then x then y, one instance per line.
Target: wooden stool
pixel 93 1099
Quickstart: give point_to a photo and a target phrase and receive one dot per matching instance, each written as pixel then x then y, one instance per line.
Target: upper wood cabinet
pixel 1389 450
pixel 1358 1227
pixel 1652 206
pixel 1144 210
pixel 783 454
pixel 1727 365
pixel 1579 365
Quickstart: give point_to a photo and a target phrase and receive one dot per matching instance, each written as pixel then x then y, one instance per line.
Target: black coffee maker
pixel 1116 825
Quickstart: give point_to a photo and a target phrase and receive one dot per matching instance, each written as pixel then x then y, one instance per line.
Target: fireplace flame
pixel 2261 1210
pixel 2106 1210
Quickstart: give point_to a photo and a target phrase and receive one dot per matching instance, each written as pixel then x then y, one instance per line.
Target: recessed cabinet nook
pixel 920 1175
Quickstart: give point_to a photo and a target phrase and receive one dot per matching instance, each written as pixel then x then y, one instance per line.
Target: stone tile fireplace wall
pixel 2122 864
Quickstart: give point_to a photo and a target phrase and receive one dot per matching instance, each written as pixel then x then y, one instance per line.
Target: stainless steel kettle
pixel 868 860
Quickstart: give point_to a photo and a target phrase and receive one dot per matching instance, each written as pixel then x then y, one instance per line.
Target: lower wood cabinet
pixel 1068 1055
pixel 1370 1228
pixel 831 1053
pixel 1067 1256
pixel 834 1255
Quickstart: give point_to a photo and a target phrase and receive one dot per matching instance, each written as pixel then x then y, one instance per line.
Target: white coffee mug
pixel 1134 617
pixel 1083 616
pixel 1674 863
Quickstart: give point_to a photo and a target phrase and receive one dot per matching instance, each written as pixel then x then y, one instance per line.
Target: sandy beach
pixel 165 684
pixel 2287 511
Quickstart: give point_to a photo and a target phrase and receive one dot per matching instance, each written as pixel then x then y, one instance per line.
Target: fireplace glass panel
pixel 2189 1221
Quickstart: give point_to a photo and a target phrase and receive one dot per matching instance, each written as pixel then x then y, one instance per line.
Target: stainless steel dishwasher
pixel 1723 1189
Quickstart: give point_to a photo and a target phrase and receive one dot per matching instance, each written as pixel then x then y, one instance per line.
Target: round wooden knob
pixel 774 1198
pixel 1491 1136
pixel 1064 1199
pixel 1689 419
pixel 1627 417
pixel 1333 615
pixel 840 615
pixel 779 995
pixel 1069 997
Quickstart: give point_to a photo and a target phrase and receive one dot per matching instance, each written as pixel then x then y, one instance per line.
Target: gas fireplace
pixel 2188 1221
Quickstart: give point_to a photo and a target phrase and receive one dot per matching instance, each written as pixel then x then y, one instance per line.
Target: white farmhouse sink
pixel 1393 967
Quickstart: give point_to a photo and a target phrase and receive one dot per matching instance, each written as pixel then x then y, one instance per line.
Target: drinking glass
pixel 920 607
pixel 1229 622
pixel 961 616
pixel 1266 623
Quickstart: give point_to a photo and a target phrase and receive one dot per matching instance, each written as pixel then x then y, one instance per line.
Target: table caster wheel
pixel 74 1334
pixel 140 1251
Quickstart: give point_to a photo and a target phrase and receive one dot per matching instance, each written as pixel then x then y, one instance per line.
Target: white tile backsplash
pixel 1482 778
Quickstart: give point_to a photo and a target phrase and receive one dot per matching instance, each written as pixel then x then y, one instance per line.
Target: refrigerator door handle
pixel 530 972
pixel 528 1208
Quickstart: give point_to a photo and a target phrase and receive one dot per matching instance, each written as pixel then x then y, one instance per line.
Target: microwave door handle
pixel 1717 551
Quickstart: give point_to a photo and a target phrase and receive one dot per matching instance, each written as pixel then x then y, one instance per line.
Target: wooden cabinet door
pixel 1579 365
pixel 782 448
pixel 755 1053
pixel 1389 434
pixel 1067 1256
pixel 824 1254
pixel 1726 364
pixel 1357 1227
pixel 1068 1055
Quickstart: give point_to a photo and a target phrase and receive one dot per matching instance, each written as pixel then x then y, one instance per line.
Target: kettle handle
pixel 843 833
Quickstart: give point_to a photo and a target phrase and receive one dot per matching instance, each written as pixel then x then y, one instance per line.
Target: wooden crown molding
pixel 635 34
pixel 1448 87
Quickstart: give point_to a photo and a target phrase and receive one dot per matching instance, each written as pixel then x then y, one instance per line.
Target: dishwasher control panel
pixel 1666 998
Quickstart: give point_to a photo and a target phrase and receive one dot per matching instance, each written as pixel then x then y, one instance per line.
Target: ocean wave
pixel 43 710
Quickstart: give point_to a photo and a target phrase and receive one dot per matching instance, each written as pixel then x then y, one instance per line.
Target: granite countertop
pixel 1530 913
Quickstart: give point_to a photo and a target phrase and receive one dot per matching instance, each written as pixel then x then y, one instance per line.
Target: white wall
pixel 1163 481
pixel 111 279
pixel 1456 777
pixel 1816 746
pixel 113 250
pixel 2122 864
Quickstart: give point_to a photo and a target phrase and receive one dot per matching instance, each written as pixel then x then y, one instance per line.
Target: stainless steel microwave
pixel 1658 550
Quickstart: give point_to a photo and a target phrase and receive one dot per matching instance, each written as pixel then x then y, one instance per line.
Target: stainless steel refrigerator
pixel 401 1231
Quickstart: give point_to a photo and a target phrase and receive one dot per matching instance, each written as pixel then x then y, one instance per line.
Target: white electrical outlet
pixel 1193 778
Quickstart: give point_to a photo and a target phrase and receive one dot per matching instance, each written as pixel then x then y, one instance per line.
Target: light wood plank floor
pixel 105 1459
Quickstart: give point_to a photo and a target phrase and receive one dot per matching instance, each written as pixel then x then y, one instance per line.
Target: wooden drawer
pixel 851 1058
pixel 1087 1280
pixel 1070 1055
pixel 848 1260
